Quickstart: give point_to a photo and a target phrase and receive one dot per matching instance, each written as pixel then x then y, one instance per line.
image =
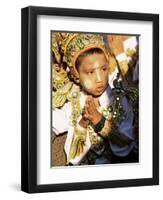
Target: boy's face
pixel 93 74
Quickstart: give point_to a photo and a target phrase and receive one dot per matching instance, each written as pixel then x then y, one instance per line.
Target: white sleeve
pixel 60 119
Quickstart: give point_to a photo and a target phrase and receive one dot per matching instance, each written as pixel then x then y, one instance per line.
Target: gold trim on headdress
pixel 56 41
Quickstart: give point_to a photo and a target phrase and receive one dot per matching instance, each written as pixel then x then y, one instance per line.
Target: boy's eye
pixel 104 68
pixel 89 73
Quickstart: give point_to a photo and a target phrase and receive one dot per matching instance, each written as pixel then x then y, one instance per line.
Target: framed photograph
pixel 90 99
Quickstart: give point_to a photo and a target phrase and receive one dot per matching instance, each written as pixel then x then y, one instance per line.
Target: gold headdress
pixel 75 44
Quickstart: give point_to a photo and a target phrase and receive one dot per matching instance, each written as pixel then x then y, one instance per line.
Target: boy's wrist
pixel 99 126
pixel 83 123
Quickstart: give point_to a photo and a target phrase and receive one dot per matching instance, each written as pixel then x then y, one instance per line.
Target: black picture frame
pixel 29 98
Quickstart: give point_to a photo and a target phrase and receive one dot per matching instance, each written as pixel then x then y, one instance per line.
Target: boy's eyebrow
pixel 100 66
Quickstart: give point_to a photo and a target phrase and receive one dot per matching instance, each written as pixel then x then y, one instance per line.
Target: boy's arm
pixel 120 134
pixel 122 138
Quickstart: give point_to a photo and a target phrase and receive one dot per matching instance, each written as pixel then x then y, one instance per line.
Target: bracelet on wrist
pixel 98 127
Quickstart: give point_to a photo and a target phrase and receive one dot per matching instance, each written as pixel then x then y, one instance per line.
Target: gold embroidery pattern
pixel 74 98
pixel 79 137
pixel 78 142
pixel 61 86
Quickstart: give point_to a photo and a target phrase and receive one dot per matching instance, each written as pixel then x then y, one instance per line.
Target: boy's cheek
pixel 87 84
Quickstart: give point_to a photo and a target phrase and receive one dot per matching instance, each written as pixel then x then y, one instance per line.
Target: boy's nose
pixel 98 76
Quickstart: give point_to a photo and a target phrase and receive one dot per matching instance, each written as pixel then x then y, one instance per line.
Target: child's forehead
pixel 93 67
pixel 94 61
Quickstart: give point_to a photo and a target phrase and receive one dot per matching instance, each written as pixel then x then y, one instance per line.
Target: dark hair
pixel 86 53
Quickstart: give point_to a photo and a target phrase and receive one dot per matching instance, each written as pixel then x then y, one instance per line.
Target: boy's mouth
pixel 100 88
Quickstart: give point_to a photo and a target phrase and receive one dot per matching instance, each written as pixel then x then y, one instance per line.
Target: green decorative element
pixel 98 127
pixel 59 97
pixel 107 112
pixel 119 92
pixel 132 94
pixel 119 139
pixel 110 108
pixel 80 44
pixel 118 112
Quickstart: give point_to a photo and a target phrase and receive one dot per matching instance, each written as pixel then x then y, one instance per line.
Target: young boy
pixel 99 123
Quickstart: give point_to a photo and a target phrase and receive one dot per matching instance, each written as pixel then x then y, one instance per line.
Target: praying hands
pixel 90 113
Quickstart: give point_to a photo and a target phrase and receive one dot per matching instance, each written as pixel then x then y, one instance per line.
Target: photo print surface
pixel 94 98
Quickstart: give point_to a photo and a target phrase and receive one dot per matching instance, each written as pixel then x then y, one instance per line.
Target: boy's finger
pixel 86 106
pixel 92 105
pixel 87 111
pixel 88 117
pixel 90 108
pixel 87 99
